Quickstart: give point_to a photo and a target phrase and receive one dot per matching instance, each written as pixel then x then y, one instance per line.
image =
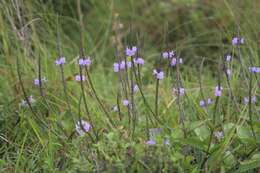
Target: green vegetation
pixel 161 129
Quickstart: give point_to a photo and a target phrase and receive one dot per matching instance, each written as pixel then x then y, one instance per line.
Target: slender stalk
pixel 250 106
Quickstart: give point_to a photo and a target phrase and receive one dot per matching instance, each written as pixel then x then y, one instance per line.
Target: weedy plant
pixel 151 119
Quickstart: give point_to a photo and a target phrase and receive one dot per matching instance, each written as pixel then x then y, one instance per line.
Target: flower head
pixel 202 103
pixel 254 69
pixel 158 74
pixel 228 58
pixel 218 91
pixel 80 78
pixel 130 51
pixel 150 142
pixel 60 61
pixel 253 100
pixel 116 67
pixel 136 88
pixel 180 91
pixel 85 61
pixel 125 102
pixel 115 108
pixel 37 81
pixel 168 54
pixel 237 40
pixel 229 73
pixel 139 61
pixel 219 135
pixel 24 102
pixel 82 127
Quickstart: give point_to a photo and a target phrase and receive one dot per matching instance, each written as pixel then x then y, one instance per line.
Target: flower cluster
pixel 139 61
pixel 60 61
pixel 168 54
pixel 80 78
pixel 219 135
pixel 238 40
pixel 218 91
pixel 82 127
pixel 85 61
pixel 228 58
pixel 158 74
pixel 130 51
pixel 179 91
pixel 253 100
pixel 122 65
pixel 37 81
pixel 254 69
pixel 24 102
pixel 174 61
pixel 203 102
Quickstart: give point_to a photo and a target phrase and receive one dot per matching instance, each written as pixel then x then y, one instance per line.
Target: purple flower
pixel 79 78
pixel 125 102
pixel 150 142
pixel 237 40
pixel 210 101
pixel 218 91
pixel 139 61
pixel 253 100
pixel 122 65
pixel 158 74
pixel 37 81
pixel 173 62
pixel 180 91
pixel 254 69
pixel 82 127
pixel 219 135
pixel 116 67
pixel 130 51
pixel 229 73
pixel 60 61
pixel 136 88
pixel 202 103
pixel 129 64
pixel 168 54
pixel 85 61
pixel 228 58
pixel 24 102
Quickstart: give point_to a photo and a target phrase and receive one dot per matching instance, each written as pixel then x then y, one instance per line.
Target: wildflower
pixel 218 91
pixel 129 64
pixel 139 61
pixel 82 127
pixel 158 74
pixel 210 101
pixel 180 91
pixel 202 103
pixel 237 40
pixel 168 54
pixel 37 81
pixel 122 65
pixel 24 102
pixel 130 51
pixel 116 67
pixel 79 78
pixel 136 88
pixel 125 102
pixel 173 62
pixel 229 73
pixel 254 69
pixel 219 135
pixel 253 100
pixel 60 61
pixel 85 61
pixel 150 142
pixel 228 58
